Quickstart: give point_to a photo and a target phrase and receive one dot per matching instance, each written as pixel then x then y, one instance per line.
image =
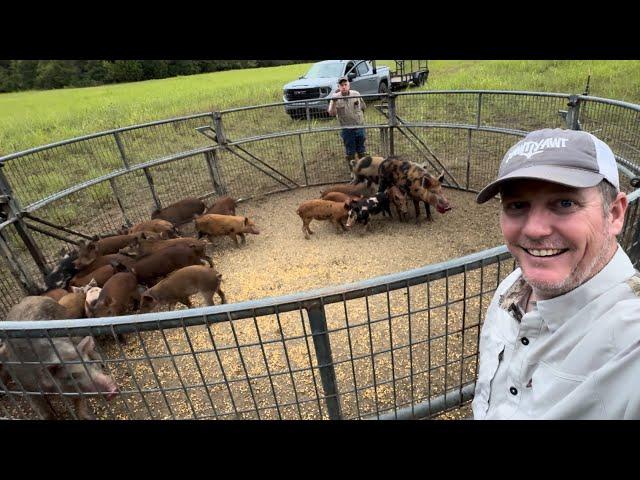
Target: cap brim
pixel 572 177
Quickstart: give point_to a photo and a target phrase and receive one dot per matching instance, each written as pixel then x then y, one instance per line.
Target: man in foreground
pixel 561 338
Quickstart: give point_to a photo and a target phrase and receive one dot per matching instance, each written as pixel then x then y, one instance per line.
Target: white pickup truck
pixel 321 81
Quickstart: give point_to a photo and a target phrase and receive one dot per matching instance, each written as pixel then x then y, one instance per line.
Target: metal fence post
pixel 393 122
pixel 217 124
pixel 304 162
pixel 322 345
pixel 211 158
pixel 13 208
pixel 573 113
pixel 17 269
pixel 123 157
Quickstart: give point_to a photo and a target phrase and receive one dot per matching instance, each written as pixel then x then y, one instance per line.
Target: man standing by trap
pixel 349 109
pixel 561 338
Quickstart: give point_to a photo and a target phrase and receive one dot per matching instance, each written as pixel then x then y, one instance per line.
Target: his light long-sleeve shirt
pixel 576 356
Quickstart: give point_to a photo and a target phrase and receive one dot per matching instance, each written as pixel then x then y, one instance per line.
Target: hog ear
pixel 77 289
pixel 441 177
pixel 92 283
pixel 86 346
pixel 246 220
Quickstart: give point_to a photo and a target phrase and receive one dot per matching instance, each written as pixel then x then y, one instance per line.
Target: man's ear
pixel 617 210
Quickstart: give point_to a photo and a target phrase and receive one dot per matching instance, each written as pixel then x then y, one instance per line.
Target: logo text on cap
pixel 531 148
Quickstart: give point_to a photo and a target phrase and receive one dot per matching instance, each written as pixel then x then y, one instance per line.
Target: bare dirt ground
pixel 265 367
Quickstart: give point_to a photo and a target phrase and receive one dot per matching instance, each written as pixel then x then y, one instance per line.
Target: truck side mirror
pixel 351 76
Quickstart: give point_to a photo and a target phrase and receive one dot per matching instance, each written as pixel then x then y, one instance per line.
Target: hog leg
pixel 186 302
pixel 43 408
pixel 427 208
pixel 305 228
pixel 221 294
pixel 338 224
pixel 235 239
pixel 243 238
pixel 83 412
pixel 416 206
pixel 208 260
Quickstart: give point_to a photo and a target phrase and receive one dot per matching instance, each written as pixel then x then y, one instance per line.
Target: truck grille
pixel 302 94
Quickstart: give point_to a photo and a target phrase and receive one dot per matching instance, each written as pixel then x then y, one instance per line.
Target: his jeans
pixel 353 140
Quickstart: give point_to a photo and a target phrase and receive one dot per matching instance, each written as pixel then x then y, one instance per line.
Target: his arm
pixel 332 110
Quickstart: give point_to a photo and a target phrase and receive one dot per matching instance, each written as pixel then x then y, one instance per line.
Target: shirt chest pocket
pixel 551 386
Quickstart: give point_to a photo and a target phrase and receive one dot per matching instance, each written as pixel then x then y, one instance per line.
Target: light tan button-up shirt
pixel 576 356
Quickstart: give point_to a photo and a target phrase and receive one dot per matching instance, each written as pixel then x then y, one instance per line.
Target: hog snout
pixel 106 385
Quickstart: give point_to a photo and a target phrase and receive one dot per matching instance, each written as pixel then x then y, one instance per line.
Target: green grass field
pixel 30 119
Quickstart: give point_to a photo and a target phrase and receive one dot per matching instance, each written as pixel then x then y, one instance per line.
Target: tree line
pixel 17 75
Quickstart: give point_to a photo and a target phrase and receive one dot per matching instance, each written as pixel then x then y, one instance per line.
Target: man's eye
pixel 515 205
pixel 566 203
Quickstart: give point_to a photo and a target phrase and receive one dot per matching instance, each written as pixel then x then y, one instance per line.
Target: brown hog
pixel 107 245
pixel 162 227
pixel 180 212
pixel 74 302
pixel 215 225
pixel 99 276
pixel 119 296
pixel 366 169
pixel 179 285
pixel 92 261
pixel 335 212
pixel 163 262
pixel 56 294
pixel 223 206
pixel 340 197
pixel 143 247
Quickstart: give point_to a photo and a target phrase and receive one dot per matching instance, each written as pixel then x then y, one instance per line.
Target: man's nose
pixel 538 223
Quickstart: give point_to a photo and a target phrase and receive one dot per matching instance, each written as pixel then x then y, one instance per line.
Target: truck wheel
pixel 383 89
pixel 418 81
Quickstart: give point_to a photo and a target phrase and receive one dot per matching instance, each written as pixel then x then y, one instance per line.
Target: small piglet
pixel 144 247
pixel 56 293
pixel 99 275
pixel 182 283
pixel 90 300
pixel 223 206
pixel 215 225
pixel 180 212
pixel 337 213
pixel 349 189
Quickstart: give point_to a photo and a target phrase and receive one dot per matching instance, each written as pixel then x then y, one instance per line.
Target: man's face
pixel 343 87
pixel 559 235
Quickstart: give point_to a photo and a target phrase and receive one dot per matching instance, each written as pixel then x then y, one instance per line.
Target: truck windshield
pixel 325 70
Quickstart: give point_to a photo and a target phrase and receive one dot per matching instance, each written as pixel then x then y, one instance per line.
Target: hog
pixel 223 206
pixel 64 271
pixel 361 210
pixel 359 189
pixel 143 247
pixel 413 180
pixel 159 264
pixel 74 301
pixel 399 200
pixel 107 245
pixel 180 212
pixel 214 225
pixel 336 213
pixel 162 227
pixel 182 283
pixel 340 197
pixel 90 300
pixel 99 276
pixel 91 261
pixel 366 169
pixel 56 293
pixel 119 296
pixel 56 373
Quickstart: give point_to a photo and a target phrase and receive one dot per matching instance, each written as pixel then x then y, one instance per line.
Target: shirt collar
pixel 556 311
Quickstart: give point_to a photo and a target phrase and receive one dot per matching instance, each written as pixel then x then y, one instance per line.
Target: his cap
pixel 342 79
pixel 568 157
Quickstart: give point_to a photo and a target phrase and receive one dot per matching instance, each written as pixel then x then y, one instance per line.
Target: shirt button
pixel 513 390
pixel 524 340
